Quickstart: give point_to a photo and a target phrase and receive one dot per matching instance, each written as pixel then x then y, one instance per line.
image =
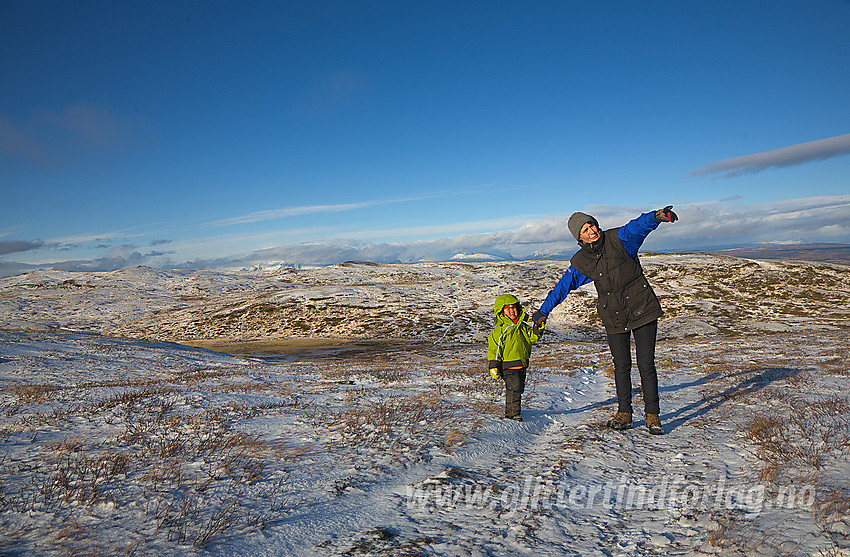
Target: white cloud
pixel 778 158
pixel 87 238
pixel 274 214
pixel 284 212
pixel 805 220
pixel 435 229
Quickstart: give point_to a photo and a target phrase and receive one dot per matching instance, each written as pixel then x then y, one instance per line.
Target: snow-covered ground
pixel 118 438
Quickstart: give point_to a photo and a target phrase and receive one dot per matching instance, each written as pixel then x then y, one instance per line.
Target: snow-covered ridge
pixel 367 300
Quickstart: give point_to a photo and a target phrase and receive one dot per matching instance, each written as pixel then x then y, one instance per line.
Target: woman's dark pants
pixel 645 351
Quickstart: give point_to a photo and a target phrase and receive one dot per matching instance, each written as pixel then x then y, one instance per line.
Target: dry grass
pixel 31 394
pixel 187 473
pixel 795 426
pixel 796 442
pixel 732 533
pixel 808 434
pixel 170 449
pixel 560 364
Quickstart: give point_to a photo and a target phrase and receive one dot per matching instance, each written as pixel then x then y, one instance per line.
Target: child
pixel 509 349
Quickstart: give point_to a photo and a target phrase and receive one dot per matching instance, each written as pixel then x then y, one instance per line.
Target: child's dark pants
pixel 514 387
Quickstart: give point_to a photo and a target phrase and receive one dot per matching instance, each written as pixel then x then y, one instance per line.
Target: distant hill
pixel 702 294
pixel 827 253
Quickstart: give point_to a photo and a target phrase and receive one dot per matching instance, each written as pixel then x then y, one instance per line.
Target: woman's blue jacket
pixel 632 234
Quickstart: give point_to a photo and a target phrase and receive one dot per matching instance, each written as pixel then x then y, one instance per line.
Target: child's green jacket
pixel 509 344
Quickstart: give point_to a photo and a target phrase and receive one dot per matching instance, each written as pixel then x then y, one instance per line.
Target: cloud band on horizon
pixel 707 225
pixel 792 155
pixel 703 226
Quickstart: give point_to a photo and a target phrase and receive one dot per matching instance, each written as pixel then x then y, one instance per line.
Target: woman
pixel 626 303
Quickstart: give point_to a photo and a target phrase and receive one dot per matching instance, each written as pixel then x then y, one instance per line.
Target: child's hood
pixel 506 300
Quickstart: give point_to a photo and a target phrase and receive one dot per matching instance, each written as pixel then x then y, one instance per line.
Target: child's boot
pixel 513 405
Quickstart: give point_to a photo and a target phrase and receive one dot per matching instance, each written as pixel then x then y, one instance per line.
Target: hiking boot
pixel 516 418
pixel 620 421
pixel 654 424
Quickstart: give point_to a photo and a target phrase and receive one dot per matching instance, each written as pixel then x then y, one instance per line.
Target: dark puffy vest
pixel 626 300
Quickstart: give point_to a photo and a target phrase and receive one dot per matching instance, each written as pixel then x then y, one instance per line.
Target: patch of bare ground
pixel 300 345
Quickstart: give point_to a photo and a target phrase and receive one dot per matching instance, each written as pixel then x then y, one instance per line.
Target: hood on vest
pixel 506 300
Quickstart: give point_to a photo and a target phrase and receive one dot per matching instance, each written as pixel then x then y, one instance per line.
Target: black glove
pixel 539 320
pixel 666 215
pixel 537 330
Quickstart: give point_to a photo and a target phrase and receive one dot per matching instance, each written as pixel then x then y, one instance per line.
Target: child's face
pixel 511 311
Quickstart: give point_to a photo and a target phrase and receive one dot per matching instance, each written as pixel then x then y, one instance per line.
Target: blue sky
pixel 214 134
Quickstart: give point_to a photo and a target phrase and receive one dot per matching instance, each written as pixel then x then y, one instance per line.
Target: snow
pixel 118 438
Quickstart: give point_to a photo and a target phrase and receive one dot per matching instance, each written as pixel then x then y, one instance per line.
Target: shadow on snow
pixel 756 380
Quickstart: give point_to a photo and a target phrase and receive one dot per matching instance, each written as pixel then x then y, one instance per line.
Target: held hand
pixel 539 320
pixel 666 214
pixel 495 373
